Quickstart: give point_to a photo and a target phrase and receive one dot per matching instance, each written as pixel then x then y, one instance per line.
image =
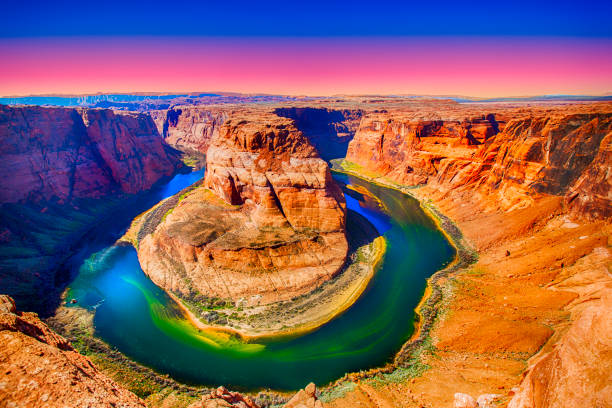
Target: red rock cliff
pixel 61 171
pixel 190 127
pixel 67 153
pixel 562 153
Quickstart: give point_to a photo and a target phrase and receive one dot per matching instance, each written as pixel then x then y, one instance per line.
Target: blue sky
pixel 308 18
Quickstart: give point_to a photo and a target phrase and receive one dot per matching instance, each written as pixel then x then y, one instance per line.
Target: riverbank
pixel 305 313
pixel 536 270
pixel 157 390
pixel 427 309
pixel 408 361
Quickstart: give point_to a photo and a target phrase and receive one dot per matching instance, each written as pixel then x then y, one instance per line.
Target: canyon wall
pixel 329 130
pixel 62 171
pixel 62 153
pixel 39 368
pixel 561 153
pixel 534 200
pixel 190 127
pixel 268 224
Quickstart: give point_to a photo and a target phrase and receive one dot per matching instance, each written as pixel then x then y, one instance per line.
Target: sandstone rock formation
pixel 306 398
pixel 534 202
pixel 62 153
pixel 467 401
pixel 39 368
pixel 222 398
pixel 562 153
pixel 268 225
pixel 190 127
pixel 411 150
pixel 577 372
pixel 548 154
pixel 464 401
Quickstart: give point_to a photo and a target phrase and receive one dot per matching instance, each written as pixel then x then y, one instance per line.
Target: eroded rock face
pixel 329 130
pixel 549 154
pixel 190 127
pixel 62 153
pixel 39 368
pixel 305 398
pixel 268 224
pixel 410 150
pixel 222 398
pixel 591 194
pixel 61 171
pixel 507 162
pixel 578 371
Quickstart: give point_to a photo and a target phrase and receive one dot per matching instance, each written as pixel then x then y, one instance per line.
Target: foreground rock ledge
pixel 269 224
pixel 40 368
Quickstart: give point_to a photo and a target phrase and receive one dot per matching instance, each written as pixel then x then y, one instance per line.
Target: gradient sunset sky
pixel 317 47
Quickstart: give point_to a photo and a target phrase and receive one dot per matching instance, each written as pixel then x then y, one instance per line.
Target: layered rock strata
pixel 39 368
pixel 62 153
pixel 411 150
pixel 268 224
pixel 534 202
pixel 561 153
pixel 190 127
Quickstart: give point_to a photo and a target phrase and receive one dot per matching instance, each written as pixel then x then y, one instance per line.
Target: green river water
pixel 140 320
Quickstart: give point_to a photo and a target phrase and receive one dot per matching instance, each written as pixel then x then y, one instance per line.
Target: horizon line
pixel 296 95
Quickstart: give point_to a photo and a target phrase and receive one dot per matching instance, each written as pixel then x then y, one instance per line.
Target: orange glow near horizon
pixel 481 67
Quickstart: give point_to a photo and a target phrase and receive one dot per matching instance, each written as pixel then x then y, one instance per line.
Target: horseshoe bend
pixel 266 255
pixel 306 204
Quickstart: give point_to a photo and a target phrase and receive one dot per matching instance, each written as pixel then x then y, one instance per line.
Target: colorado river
pixel 140 320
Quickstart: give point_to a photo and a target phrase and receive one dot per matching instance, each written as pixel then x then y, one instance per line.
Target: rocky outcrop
pixel 222 398
pixel 39 368
pixel 61 153
pixel 548 155
pixel 268 224
pixel 554 153
pixel 306 398
pixel 591 194
pixel 577 372
pixel 329 130
pixel 190 127
pixel 534 202
pixel 483 401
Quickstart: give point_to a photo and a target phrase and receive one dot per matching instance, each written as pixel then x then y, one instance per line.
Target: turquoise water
pixel 140 320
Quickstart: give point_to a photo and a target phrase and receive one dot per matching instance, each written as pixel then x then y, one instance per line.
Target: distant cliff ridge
pixel 190 127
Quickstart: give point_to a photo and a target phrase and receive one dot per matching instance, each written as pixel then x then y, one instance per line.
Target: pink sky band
pixel 472 66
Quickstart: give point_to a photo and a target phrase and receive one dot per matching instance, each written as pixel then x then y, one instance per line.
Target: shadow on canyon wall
pixel 329 130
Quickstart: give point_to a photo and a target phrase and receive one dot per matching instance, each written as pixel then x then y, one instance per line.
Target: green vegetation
pixel 337 391
pixel 344 166
pixel 193 159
